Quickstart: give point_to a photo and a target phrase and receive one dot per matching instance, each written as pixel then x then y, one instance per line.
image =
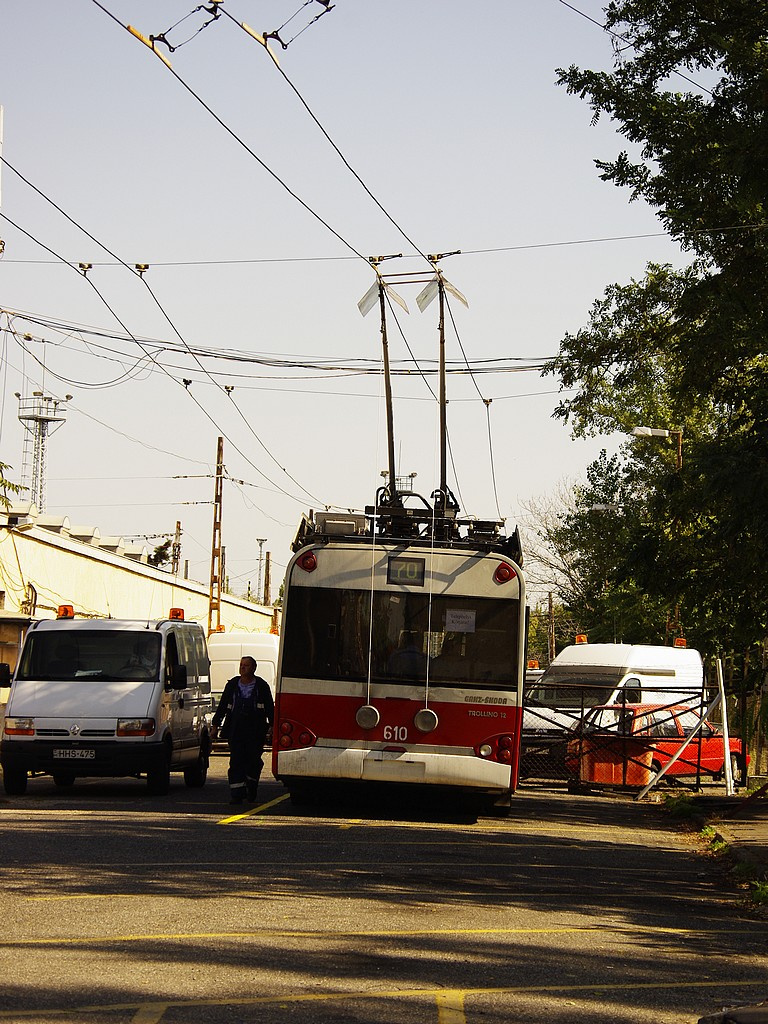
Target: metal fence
pixel 580 737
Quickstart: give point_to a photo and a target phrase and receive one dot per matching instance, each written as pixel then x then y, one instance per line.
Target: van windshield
pixel 98 655
pixel 569 695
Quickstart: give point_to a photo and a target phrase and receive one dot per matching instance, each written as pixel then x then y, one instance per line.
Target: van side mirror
pixel 177 678
pixel 5 673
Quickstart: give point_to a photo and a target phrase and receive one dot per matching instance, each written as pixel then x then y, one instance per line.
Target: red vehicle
pixel 402 660
pixel 660 729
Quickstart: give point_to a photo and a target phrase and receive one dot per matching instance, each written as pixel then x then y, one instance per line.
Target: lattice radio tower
pixel 40 415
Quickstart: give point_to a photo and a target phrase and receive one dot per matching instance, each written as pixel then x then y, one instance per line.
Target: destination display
pixel 406 570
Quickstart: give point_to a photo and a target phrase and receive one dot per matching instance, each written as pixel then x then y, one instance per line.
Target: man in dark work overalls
pixel 247 711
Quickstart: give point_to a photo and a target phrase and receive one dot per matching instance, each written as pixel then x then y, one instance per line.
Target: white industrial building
pixel 46 561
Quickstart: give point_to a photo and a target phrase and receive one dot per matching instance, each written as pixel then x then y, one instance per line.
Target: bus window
pixel 327 635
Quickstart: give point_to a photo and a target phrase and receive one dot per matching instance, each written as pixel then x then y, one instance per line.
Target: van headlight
pixel 19 727
pixel 135 726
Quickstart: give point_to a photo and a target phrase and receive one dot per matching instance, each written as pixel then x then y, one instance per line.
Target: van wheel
pixel 64 779
pixel 195 776
pixel 14 781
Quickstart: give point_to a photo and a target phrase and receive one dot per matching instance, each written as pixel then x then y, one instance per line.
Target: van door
pixel 179 713
pixel 197 699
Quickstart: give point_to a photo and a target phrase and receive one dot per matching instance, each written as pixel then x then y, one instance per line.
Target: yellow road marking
pixel 263 934
pixel 150 1013
pixel 450 1007
pixel 253 810
pixel 448 996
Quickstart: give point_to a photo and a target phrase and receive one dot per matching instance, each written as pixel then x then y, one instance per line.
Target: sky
pixel 219 175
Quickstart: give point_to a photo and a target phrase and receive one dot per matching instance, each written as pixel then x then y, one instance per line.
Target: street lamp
pixel 661 432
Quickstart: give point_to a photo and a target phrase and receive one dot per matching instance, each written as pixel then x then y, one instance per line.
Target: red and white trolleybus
pixel 402 653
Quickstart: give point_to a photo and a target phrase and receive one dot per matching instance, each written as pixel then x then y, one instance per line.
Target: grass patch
pixel 681 806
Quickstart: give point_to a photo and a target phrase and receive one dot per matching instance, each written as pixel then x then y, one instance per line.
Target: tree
pixel 7 485
pixel 686 348
pixel 576 546
pixel 162 554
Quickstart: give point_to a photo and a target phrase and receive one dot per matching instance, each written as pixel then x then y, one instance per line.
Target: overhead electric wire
pixel 486 403
pixel 628 42
pixel 241 142
pixel 352 367
pixel 155 361
pixel 272 173
pixel 115 382
pixel 333 145
pixel 142 346
pixel 523 247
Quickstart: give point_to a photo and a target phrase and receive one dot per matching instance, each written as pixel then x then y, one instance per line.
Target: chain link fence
pixel 588 736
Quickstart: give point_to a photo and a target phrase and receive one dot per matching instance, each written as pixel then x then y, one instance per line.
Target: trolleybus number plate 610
pixel 409 571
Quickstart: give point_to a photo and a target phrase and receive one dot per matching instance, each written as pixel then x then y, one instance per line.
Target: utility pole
pixel 176 550
pixel 267 581
pixel 261 541
pixel 214 601
pixel 551 627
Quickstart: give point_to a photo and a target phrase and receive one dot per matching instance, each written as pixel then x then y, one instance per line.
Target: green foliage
pixel 162 554
pixel 682 349
pixel 6 486
pixel 682 807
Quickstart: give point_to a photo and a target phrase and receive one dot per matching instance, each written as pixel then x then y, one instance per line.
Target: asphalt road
pixel 119 908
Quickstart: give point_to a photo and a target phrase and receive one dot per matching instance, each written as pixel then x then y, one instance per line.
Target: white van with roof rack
pixel 585 675
pixel 108 698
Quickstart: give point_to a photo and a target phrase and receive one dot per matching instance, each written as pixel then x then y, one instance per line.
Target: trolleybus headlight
pixel 286 728
pixel 505 755
pixel 485 750
pixel 285 741
pixel 306 739
pixel 20 726
pixel 367 716
pixel 505 742
pixel 504 573
pixel 425 720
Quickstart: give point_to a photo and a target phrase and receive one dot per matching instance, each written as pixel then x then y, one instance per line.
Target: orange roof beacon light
pixel 65 611
pixel 679 641
pixel 176 613
pixel 581 638
pixel 533 663
pixel 221 628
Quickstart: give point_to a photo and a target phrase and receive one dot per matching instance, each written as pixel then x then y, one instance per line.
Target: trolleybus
pixel 402 654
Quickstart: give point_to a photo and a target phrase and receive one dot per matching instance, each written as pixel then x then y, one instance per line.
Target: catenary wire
pixel 623 39
pixel 140 344
pixel 160 366
pixel 335 148
pixel 241 142
pixel 522 247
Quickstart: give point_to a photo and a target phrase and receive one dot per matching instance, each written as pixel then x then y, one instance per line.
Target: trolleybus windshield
pixel 451 640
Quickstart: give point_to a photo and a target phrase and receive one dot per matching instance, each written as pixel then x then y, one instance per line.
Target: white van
pixel 583 676
pixel 226 650
pixel 109 697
